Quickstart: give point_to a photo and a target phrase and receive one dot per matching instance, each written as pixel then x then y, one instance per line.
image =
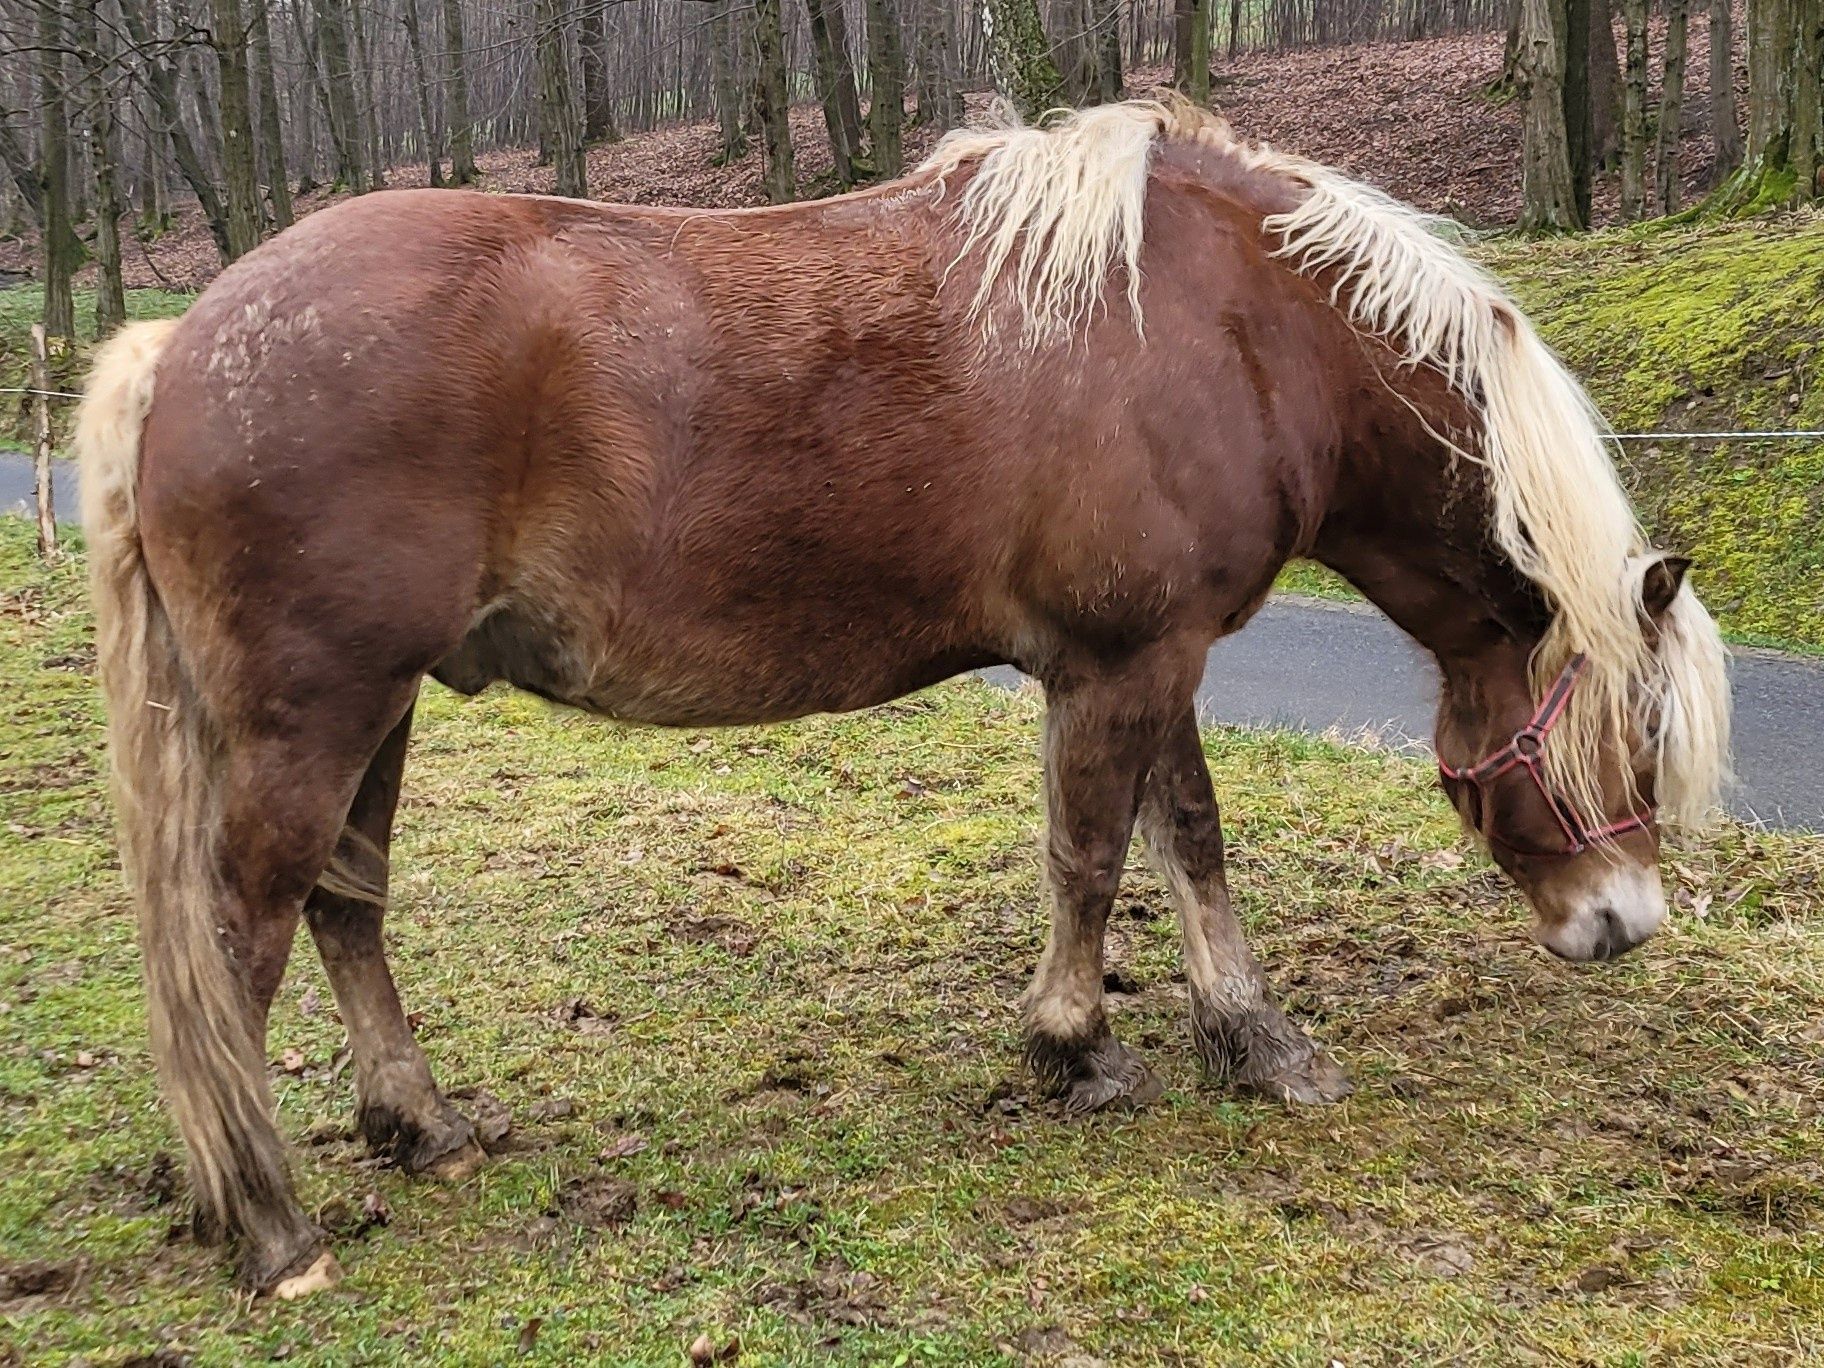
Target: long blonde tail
pixel 165 752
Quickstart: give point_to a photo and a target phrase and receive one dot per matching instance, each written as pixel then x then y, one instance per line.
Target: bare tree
pixel 772 101
pixel 1726 135
pixel 559 114
pixel 1019 56
pixel 429 115
pixel 1634 112
pixel 1551 199
pixel 1191 49
pixel 240 170
pixel 940 103
pixel 887 79
pixel 272 132
pixel 462 128
pixel 54 176
pixel 99 130
pixel 726 47
pixel 836 86
pixel 1671 108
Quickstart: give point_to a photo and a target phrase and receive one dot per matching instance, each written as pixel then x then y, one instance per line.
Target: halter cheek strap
pixel 1527 751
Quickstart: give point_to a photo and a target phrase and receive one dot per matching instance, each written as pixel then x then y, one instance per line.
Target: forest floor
pixel 747 999
pixel 1415 118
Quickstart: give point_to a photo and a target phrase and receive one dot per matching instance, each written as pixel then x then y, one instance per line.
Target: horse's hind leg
pixel 1101 736
pixel 1240 1031
pixel 402 1114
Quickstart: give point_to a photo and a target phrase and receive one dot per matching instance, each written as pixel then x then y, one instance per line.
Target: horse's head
pixel 1568 801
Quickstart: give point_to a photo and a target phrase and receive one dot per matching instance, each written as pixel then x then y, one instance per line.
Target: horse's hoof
pixel 458 1165
pixel 1316 1079
pixel 1102 1076
pixel 323 1272
pixel 1130 1091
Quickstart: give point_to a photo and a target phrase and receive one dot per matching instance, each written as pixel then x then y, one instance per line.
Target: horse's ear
pixel 1660 585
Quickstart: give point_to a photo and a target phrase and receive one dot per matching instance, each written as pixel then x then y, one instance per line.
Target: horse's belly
pixel 690 674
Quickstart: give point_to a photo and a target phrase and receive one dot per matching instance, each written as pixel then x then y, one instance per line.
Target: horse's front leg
pixel 1101 734
pixel 1240 1031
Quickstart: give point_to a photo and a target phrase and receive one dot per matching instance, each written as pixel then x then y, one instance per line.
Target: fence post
pixel 41 465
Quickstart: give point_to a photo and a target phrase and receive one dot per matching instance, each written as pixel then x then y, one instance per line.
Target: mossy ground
pixel 749 996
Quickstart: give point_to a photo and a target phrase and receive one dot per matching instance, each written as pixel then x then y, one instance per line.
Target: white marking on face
pixel 1623 905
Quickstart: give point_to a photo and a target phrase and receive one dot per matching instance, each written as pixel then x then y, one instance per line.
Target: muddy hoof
pixel 1102 1075
pixel 289 1265
pixel 458 1165
pixel 444 1148
pixel 1317 1079
pixel 323 1272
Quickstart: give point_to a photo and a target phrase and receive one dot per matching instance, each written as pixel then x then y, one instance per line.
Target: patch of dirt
pixel 831 1293
pixel 22 1280
pixel 732 934
pixel 599 1203
pixel 492 1121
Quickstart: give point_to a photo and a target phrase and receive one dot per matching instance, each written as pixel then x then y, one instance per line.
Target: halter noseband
pixel 1527 751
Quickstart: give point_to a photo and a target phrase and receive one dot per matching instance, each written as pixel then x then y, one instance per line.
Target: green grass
pixel 803 946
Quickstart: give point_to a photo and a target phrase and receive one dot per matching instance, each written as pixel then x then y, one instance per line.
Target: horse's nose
pixel 1613 941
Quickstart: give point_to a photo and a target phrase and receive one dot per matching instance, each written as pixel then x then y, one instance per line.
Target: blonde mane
pixel 1055 210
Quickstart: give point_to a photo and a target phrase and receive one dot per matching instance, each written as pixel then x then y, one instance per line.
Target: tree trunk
pixel 1725 134
pixel 558 111
pixel 887 79
pixel 940 103
pixel 1550 192
pixel 1234 28
pixel 772 101
pixel 836 85
pixel 725 49
pixel 98 99
pixel 240 168
pixel 370 106
pixel 1671 107
pixel 1019 56
pixel 1105 18
pixel 428 120
pixel 54 173
pixel 1191 49
pixel 1580 129
pixel 1605 85
pixel 1783 103
pixel 1807 99
pixel 462 129
pixel 598 99
pixel 163 83
pixel 272 132
pixel 1634 113
pixel 339 87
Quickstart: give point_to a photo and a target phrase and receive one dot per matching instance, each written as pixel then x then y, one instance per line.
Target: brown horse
pixel 1065 397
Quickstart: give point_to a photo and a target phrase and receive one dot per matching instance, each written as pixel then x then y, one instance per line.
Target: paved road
pixel 1317 666
pixel 1314 666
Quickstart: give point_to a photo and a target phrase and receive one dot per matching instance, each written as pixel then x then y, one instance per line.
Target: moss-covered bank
pixel 1710 328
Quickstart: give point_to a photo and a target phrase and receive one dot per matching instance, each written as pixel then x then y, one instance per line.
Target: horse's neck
pixel 1408 526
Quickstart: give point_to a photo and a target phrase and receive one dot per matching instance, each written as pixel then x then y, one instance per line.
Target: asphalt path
pixel 1330 667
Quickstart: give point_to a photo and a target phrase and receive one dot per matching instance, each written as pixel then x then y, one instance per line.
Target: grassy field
pixel 748 998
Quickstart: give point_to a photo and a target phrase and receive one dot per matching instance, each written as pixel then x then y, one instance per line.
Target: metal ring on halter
pixel 1526 750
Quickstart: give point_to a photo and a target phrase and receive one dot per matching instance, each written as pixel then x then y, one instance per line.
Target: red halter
pixel 1527 751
